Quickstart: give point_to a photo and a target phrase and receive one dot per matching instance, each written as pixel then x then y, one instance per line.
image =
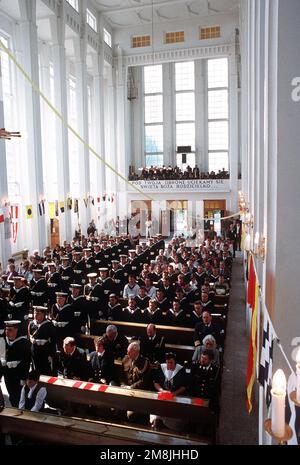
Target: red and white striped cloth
pixel 86 386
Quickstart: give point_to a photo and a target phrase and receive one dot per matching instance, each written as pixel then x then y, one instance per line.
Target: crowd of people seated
pixel 169 173
pixel 50 299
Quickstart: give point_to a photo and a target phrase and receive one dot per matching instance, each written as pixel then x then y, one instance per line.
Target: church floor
pixel 236 426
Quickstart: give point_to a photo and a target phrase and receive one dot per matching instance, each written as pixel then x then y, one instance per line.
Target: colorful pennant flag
pixel 69 203
pixel 62 206
pixel 1 215
pixel 75 205
pixel 29 213
pixel 51 210
pixel 41 207
pixel 98 199
pixel 85 202
pixel 253 301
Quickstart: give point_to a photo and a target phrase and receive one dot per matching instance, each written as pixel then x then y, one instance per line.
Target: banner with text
pixel 183 185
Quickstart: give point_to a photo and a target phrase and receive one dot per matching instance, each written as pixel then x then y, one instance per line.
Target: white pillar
pixel 233 133
pixel 5 244
pixel 61 104
pixel 29 46
pixel 80 47
pixel 201 116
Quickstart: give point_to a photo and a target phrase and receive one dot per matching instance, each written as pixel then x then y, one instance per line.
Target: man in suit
pixel 205 327
pixel 115 342
pixel 73 362
pixel 152 345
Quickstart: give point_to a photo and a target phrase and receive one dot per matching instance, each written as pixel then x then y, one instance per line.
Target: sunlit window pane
pixel 153 79
pixel 185 134
pixel 218 161
pixel 185 106
pixel 154 139
pixel 184 76
pixel 153 109
pixel 218 104
pixel 217 71
pixel 218 135
pixel 154 160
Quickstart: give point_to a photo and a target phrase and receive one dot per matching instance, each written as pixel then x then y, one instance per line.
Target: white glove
pixel 3 362
pixel 19 304
pixel 22 382
pixel 11 303
pixel 26 317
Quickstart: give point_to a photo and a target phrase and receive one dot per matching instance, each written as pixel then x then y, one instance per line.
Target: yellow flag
pixel 29 213
pixel 52 210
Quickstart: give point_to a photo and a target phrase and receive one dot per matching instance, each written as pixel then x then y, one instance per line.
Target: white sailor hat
pixel 61 294
pixel 39 308
pixel 17 278
pixel 92 275
pixel 87 249
pixel 12 323
pixel 123 255
pixel 37 270
pixel 132 251
pixel 65 257
pixel 75 286
pixel 103 269
pixel 51 264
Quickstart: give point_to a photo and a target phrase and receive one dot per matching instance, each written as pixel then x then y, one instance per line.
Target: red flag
pixel 1 216
pixel 253 301
pixel 14 213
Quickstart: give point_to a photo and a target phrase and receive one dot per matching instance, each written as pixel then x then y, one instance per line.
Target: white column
pixel 28 33
pixel 80 47
pixel 201 117
pixel 121 145
pixel 5 244
pixel 61 104
pixel 137 158
pixel 233 133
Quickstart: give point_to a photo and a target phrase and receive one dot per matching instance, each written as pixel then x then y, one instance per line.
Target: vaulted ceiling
pixel 126 13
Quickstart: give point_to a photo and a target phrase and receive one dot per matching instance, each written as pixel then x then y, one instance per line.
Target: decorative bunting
pixel 253 301
pixel 41 207
pixel 1 215
pixel 69 203
pixel 62 206
pixel 29 213
pixel 56 207
pixel 76 206
pixel 85 202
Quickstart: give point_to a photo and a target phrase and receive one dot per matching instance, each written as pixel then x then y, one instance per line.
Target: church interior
pixel 149 281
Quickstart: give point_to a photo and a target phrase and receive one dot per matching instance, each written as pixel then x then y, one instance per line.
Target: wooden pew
pixel 183 352
pixel 173 334
pixel 46 429
pixel 60 392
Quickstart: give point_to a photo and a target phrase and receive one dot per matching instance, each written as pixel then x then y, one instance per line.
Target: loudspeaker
pixel 184 158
